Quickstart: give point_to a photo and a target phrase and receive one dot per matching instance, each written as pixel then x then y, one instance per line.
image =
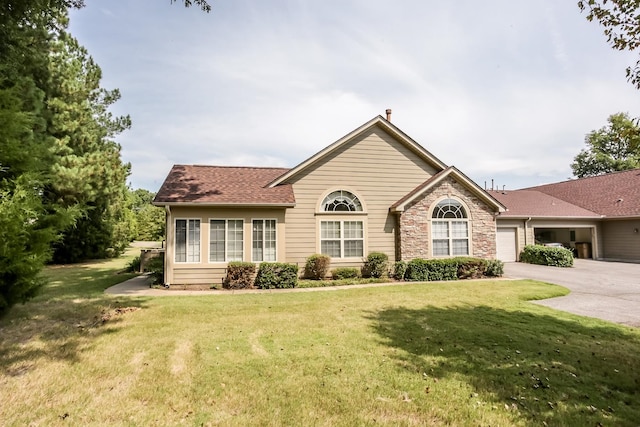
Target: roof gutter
pixel 226 205
pixel 529 218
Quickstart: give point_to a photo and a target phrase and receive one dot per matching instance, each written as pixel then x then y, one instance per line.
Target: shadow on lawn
pixel 64 320
pixel 548 369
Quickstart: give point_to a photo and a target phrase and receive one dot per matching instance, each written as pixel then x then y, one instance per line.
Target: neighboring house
pixel 599 216
pixel 375 189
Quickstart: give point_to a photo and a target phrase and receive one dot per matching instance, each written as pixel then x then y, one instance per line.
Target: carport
pixel 577 238
pixel 533 217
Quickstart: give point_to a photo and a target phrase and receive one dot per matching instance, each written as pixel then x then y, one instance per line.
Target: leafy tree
pixel 621 22
pixel 614 147
pixel 149 219
pixel 29 223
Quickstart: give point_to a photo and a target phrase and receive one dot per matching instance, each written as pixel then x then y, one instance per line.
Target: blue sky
pixel 502 89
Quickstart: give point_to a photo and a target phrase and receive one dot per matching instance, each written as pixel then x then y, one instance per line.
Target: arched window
pixel 341 201
pixel 342 237
pixel 449 229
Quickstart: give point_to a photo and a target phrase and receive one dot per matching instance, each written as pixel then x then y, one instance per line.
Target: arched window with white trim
pixel 342 236
pixel 341 201
pixel 449 229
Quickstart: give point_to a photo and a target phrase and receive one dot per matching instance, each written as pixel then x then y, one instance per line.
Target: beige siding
pixel 376 168
pixel 205 272
pixel 622 240
pixel 523 237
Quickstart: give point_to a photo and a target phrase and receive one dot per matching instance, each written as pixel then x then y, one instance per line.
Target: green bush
pixel 376 265
pixel 155 267
pixel 545 255
pixel 317 266
pixel 133 266
pixel 495 268
pixel 432 269
pixel 239 275
pixel 276 275
pixel 399 270
pixel 345 273
pixel 471 268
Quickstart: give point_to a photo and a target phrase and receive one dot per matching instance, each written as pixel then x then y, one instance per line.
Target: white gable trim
pixel 459 176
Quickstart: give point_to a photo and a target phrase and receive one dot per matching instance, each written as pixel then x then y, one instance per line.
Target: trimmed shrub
pixel 546 255
pixel 345 273
pixel 376 265
pixel 495 268
pixel 432 269
pixel 317 266
pixel 470 268
pixel 399 270
pixel 276 275
pixel 239 275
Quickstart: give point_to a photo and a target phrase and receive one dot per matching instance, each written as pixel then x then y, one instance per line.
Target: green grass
pixel 447 353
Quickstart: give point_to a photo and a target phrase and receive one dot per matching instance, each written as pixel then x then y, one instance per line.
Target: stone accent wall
pixel 414 231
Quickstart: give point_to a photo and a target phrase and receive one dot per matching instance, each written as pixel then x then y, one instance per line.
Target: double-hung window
pixel 226 237
pixel 187 237
pixel 449 229
pixel 263 240
pixel 341 238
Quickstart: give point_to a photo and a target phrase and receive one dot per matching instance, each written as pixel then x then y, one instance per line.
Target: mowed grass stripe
pixel 456 353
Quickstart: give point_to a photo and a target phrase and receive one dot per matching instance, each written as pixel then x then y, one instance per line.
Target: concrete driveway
pixel 605 290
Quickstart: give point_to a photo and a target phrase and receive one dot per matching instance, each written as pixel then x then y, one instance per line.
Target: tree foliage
pixel 29 222
pixel 149 219
pixel 614 147
pixel 88 170
pixel 621 22
pixel 62 180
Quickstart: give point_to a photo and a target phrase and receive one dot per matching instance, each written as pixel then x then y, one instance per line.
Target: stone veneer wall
pixel 415 239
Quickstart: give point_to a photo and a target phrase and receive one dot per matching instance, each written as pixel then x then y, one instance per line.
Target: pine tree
pixel 88 170
pixel 29 224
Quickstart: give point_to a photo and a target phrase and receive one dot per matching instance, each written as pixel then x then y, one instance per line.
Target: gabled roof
pixel 612 195
pixel 452 172
pixel 535 204
pixel 376 121
pixel 224 186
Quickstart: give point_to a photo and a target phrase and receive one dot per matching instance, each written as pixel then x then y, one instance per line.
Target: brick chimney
pixel 388 114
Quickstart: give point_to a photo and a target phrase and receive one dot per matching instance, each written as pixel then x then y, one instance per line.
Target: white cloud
pixel 507 89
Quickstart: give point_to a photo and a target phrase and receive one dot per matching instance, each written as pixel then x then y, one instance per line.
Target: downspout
pixel 526 221
pixel 169 247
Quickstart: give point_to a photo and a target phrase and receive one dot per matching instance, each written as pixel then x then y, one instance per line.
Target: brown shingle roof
pixel 613 195
pixel 222 185
pixel 531 203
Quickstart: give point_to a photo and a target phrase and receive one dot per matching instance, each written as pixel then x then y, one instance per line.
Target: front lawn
pixel 448 353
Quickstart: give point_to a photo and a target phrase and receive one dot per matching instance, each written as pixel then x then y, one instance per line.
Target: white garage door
pixel 506 244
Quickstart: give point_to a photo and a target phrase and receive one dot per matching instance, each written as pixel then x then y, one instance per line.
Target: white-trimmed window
pixel 342 239
pixel 341 201
pixel 226 240
pixel 263 240
pixel 449 229
pixel 187 238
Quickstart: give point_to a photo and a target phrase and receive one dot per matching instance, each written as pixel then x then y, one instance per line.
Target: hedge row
pixel 546 255
pixel 424 270
pixel 271 275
